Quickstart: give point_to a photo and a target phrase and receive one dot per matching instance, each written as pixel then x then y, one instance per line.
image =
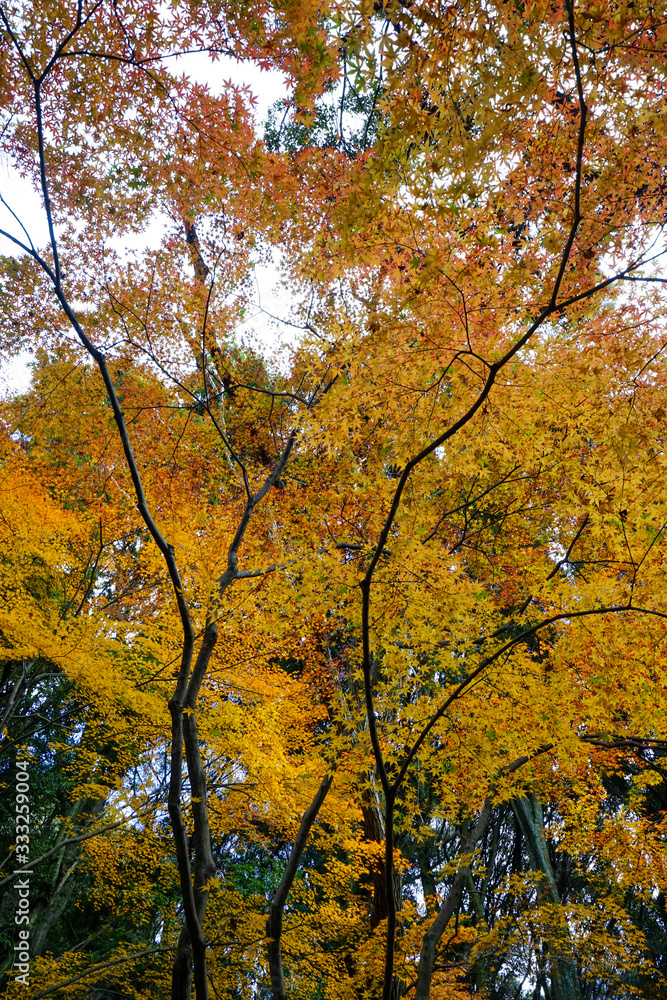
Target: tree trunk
pixel 274 924
pixel 447 910
pixel 564 978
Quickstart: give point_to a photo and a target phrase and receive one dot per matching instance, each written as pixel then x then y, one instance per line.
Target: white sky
pixel 267 87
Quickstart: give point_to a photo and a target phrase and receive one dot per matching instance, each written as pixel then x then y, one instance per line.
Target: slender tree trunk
pixel 564 978
pixel 375 829
pixel 181 973
pixel 427 878
pixel 48 910
pixel 191 950
pixel 448 909
pixel 274 924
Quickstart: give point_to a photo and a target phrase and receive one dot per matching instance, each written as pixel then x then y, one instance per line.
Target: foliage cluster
pixel 339 675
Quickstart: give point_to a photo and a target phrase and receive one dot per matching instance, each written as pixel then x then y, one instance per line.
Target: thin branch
pixel 98 968
pixel 469 503
pixel 461 688
pixel 60 847
pixel 93 573
pixel 583 112
pixel 17 46
pixel 15 216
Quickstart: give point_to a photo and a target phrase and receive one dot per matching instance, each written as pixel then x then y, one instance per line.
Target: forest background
pixel 340 675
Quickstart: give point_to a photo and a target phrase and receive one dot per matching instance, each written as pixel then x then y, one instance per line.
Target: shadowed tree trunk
pixel 563 971
pixel 448 908
pixel 373 826
pixel 274 924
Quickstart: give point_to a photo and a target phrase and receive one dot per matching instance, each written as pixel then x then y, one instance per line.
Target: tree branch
pixel 274 923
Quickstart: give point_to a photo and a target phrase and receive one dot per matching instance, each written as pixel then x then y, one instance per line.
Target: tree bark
pixel 448 908
pixel 373 826
pixel 274 923
pixel 564 978
pixel 191 949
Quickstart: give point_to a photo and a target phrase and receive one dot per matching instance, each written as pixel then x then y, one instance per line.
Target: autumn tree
pixel 400 596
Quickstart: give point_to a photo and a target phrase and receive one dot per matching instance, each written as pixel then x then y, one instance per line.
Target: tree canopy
pixel 338 674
